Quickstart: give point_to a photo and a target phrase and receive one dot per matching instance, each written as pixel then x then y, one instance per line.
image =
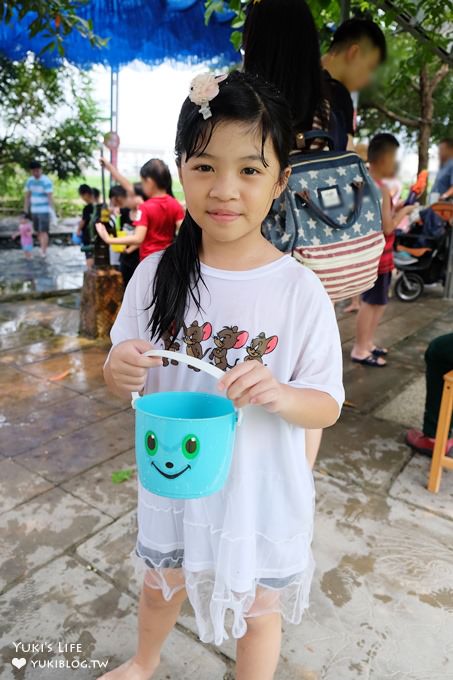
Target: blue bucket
pixel 184 440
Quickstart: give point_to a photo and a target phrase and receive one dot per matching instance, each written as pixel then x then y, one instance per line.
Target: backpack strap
pixel 358 189
pixel 305 139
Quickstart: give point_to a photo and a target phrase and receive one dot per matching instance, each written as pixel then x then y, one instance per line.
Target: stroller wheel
pixel 409 287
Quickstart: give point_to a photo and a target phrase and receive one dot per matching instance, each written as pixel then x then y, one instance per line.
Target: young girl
pixel 222 285
pixel 158 218
pixel 25 232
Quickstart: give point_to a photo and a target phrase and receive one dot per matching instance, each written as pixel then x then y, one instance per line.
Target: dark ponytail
pixel 160 173
pixel 242 98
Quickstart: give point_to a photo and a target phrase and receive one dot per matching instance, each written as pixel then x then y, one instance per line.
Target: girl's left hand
pixel 252 383
pixel 102 231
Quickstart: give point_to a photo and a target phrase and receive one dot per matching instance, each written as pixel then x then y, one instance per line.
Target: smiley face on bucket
pixel 183 443
pixel 172 461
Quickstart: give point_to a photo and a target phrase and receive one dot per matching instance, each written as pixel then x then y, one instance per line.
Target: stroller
pixel 421 266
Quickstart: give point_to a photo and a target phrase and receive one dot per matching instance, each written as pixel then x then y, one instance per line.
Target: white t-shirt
pixel 256 531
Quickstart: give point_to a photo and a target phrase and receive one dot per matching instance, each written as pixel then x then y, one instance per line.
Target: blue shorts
pixel 379 293
pixel 27 248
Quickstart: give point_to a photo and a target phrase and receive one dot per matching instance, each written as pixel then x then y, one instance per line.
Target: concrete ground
pixel 382 598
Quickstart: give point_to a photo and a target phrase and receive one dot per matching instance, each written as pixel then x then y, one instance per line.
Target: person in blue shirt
pixel 443 184
pixel 39 203
pixel 442 189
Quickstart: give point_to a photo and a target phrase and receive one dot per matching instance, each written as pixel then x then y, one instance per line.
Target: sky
pixel 149 104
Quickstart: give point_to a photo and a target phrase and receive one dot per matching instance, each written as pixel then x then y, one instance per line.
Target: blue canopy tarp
pixel 151 31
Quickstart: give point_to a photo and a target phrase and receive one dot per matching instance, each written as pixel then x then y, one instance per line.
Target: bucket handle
pixel 190 361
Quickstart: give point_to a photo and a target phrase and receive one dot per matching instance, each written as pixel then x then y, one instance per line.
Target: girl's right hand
pixel 127 368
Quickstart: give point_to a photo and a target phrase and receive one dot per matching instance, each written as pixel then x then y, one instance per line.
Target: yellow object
pixel 119 248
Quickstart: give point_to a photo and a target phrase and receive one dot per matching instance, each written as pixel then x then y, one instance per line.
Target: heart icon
pixel 19 662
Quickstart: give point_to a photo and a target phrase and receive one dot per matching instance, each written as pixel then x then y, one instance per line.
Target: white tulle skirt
pixel 246 548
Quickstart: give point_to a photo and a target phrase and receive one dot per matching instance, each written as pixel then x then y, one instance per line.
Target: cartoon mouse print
pixel 228 338
pixel 260 346
pixel 194 335
pixel 171 346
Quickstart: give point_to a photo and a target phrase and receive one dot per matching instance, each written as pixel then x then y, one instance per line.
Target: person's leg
pixel 312 444
pixel 354 304
pixel 258 650
pixel 439 360
pixel 378 313
pixel 43 232
pixel 380 301
pixel 364 333
pixel 156 619
pixel 44 241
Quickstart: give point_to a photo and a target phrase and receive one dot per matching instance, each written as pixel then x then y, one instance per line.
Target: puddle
pixel 62 269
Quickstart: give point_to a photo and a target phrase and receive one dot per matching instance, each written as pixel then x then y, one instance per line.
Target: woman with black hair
pixel 281 45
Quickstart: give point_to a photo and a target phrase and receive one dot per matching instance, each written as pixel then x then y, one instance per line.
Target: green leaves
pixel 238 7
pixel 211 7
pixel 122 476
pixel 54 19
pixel 48 114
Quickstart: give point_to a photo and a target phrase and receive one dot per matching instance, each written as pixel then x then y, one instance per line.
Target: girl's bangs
pixel 200 134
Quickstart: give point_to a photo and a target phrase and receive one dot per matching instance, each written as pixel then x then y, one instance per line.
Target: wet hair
pixel 380 144
pixel 118 192
pixel 242 98
pixel 34 165
pixel 96 193
pixel 281 45
pixel 354 31
pixel 138 191
pixel 159 172
pixel 85 189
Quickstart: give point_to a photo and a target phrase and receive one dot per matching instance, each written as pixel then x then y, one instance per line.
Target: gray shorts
pixel 175 560
pixel 41 222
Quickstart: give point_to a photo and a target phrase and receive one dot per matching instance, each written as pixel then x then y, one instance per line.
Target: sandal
pixel 371 360
pixel 379 352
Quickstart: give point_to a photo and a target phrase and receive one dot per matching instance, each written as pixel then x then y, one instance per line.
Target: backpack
pixel 329 218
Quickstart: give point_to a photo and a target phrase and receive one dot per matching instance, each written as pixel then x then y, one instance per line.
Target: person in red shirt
pixel 382 153
pixel 157 219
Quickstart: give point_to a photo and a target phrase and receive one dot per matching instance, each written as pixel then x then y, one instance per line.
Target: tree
pixel 54 19
pixel 46 114
pixel 413 98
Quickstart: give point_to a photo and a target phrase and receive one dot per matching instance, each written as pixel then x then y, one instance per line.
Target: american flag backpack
pixel 329 218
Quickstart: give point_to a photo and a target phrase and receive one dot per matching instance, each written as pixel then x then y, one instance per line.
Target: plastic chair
pixel 440 459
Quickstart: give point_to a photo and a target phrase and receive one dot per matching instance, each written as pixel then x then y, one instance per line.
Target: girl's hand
pixel 102 231
pixel 253 383
pixel 126 368
pixel 103 162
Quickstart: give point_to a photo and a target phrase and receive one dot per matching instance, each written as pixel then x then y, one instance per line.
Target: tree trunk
pixel 426 115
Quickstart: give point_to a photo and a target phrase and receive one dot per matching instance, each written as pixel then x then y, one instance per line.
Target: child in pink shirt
pixel 25 231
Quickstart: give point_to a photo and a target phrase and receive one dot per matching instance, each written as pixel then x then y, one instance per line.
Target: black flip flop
pixel 379 352
pixel 371 360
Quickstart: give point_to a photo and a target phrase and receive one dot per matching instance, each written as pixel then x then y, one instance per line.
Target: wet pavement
pixel 62 269
pixel 382 598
